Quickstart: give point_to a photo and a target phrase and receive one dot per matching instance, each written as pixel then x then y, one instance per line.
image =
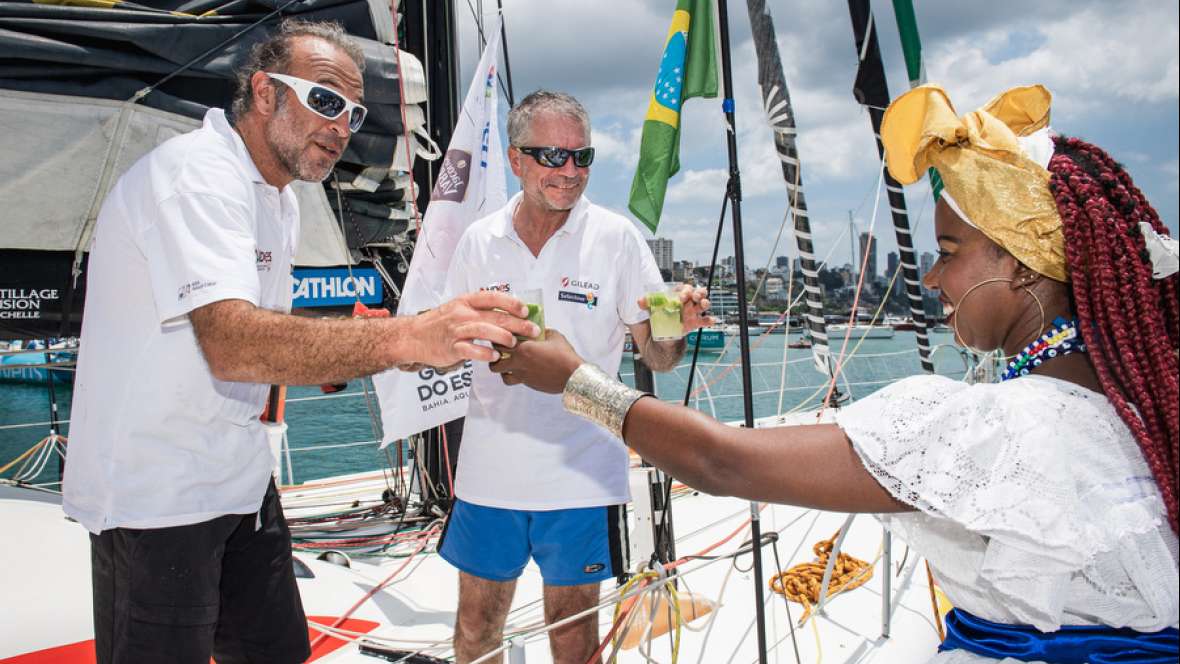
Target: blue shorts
pixel 571 546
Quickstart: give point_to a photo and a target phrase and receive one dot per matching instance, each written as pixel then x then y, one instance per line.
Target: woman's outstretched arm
pixel 811 466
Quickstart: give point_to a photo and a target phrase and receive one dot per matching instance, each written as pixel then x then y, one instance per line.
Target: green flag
pixel 688 69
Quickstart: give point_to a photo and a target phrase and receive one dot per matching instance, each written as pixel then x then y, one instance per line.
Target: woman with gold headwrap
pixel 1045 503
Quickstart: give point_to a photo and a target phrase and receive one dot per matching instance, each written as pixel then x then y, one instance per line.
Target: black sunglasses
pixel 551 157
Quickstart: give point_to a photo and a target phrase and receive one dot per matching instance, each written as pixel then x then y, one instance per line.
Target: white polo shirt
pixel 155 440
pixel 521 449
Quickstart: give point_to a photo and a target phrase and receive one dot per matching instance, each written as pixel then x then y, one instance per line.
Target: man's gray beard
pixel 289 154
pixel 289 157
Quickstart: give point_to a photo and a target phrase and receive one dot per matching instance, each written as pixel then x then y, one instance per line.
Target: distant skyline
pixel 1113 68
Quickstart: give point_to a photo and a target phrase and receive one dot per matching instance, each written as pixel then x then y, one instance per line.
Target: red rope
pixel 864 262
pixel 377 588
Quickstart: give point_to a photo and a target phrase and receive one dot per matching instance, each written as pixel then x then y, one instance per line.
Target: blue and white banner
pixel 333 287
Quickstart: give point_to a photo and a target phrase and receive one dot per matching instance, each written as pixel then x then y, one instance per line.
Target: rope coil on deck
pixel 802 583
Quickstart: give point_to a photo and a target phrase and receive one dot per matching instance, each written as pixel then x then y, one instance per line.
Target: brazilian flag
pixel 688 69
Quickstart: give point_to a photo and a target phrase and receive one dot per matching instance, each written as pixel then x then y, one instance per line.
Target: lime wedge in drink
pixel 536 315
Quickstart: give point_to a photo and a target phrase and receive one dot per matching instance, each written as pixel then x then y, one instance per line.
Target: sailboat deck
pixel 415 610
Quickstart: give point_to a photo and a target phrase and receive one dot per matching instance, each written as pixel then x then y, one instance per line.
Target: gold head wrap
pixel 1000 190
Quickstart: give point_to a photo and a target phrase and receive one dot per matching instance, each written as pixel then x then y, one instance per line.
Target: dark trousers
pixel 223 588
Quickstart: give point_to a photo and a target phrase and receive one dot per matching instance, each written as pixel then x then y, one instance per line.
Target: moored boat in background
pixel 860 331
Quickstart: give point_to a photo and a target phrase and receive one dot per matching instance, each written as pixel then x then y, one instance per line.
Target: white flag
pixel 470 185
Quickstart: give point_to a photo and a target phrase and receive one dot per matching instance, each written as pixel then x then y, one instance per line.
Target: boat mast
pixel 776 103
pixel 872 92
pixel 734 193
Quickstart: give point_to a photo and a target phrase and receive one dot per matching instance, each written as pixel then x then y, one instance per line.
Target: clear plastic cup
pixel 663 302
pixel 534 299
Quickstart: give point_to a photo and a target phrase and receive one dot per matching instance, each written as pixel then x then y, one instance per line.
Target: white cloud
pixel 1113 68
pixel 697 186
pixel 618 144
pixel 1089 58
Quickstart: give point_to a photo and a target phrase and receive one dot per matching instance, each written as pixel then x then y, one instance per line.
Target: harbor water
pixel 332 434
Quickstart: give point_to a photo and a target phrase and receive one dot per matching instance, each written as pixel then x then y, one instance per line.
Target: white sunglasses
pixel 324 102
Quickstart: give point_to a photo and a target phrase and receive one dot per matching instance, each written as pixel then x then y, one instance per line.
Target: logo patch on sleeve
pixel 594 569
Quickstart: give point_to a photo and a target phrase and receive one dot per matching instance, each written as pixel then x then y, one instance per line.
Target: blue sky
pixel 1114 70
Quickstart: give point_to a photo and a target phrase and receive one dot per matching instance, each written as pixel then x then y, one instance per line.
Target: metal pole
pixel 735 196
pixel 504 49
pixel 887 584
pixel 832 556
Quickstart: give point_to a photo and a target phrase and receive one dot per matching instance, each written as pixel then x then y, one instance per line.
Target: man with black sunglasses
pixel 187 324
pixel 533 481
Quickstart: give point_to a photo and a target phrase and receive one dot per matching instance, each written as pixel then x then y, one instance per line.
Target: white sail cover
pixel 470 185
pixel 68 151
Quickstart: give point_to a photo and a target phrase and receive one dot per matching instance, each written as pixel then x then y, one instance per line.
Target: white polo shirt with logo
pixel 521 449
pixel 155 440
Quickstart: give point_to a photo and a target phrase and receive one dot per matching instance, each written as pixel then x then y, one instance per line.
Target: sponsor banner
pixel 333 287
pixel 470 185
pixel 28 303
pixel 33 287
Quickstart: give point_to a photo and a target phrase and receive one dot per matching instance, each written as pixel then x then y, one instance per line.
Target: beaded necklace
pixel 1060 339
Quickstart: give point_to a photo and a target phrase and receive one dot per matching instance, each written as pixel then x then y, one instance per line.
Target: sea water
pixel 332 434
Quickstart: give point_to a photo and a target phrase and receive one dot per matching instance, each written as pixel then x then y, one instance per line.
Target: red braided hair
pixel 1129 320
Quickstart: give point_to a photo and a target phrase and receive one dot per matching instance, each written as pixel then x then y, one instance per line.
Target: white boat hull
pixel 734 330
pixel 861 331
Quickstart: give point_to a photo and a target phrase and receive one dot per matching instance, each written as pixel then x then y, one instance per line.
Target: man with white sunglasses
pixel 187 323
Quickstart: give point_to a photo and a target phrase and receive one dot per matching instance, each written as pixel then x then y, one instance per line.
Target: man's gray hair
pixel 520 118
pixel 274 55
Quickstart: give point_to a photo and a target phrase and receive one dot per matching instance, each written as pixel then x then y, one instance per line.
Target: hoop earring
pixel 1026 289
pixel 1040 307
pixel 955 322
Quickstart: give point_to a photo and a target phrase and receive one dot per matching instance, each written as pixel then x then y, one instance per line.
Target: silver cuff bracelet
pixel 598 397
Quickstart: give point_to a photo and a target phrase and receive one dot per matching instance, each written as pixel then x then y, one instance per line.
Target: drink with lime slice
pixel 534 300
pixel 665 308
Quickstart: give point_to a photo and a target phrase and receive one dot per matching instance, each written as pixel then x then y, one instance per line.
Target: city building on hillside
pixel 892 260
pixel 774 288
pixel 683 271
pixel 868 245
pixel 661 248
pixel 926 262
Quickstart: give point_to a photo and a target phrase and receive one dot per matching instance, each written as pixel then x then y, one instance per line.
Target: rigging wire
pixel 856 299
pixel 375 589
pixel 727 368
pixel 506 88
pixel 504 48
pixel 212 51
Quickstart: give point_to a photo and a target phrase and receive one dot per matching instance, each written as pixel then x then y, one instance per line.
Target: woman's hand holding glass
pixel 544 364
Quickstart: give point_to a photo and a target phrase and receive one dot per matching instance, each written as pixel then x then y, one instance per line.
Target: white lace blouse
pixel 1035 505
